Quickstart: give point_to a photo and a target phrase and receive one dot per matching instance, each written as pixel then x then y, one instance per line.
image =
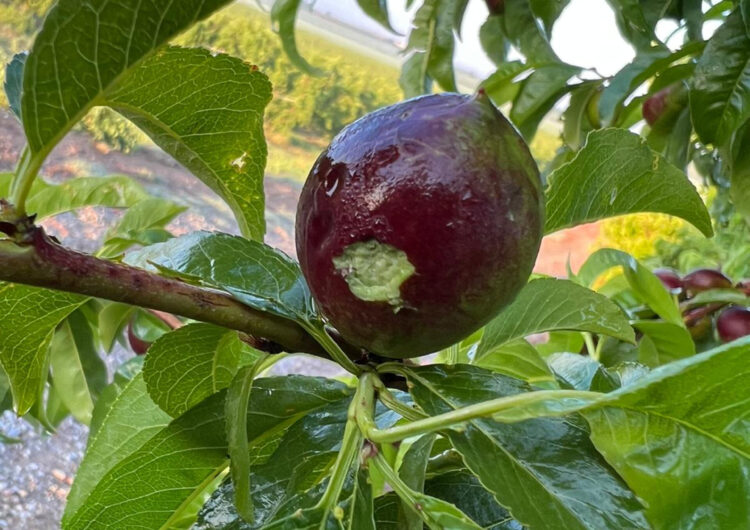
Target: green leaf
pixel 14 82
pixel 538 94
pixel 492 38
pixel 720 91
pixel 291 477
pixel 113 192
pixel 82 324
pixel 671 342
pixel 679 438
pixel 186 366
pixel 464 490
pixel 138 224
pixel 576 370
pixel 576 123
pixel 632 23
pixel 615 173
pixel 30 315
pixel 235 409
pixel 68 71
pixel 712 296
pixel 647 63
pixel 283 16
pixel 124 374
pixel 112 320
pixel 643 282
pixel 181 458
pixel 254 273
pixel 68 376
pixel 432 34
pixel 548 11
pixel 377 10
pixel 523 31
pixel 360 509
pixel 547 305
pixel 389 513
pixel 500 86
pixel 517 359
pixel 629 78
pixel 132 418
pixel 412 472
pixel 46 200
pixel 413 79
pixel 206 110
pixel 545 471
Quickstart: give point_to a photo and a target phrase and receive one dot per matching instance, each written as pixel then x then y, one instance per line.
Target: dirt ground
pixel 35 475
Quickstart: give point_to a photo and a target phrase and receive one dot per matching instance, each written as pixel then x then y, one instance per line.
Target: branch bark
pixel 39 261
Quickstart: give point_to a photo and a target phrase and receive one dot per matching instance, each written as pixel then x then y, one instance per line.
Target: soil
pixel 35 474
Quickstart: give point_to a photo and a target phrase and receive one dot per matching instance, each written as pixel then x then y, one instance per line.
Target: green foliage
pixel 350 85
pixel 619 418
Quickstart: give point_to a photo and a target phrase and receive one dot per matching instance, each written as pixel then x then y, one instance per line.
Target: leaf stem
pixel 516 408
pixel 236 405
pixel 26 172
pixel 390 401
pixel 320 334
pixel 350 446
pixel 590 347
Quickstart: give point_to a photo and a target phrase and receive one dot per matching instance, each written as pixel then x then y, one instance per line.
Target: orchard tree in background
pixel 417 231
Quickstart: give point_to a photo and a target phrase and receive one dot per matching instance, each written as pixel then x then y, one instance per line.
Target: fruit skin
pixel 444 179
pixel 654 106
pixel 138 345
pixel 744 286
pixel 733 323
pixel 705 279
pixel 669 278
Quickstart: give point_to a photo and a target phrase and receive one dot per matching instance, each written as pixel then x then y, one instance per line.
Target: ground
pixel 35 475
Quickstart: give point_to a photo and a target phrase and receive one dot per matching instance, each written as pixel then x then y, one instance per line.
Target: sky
pixel 585 35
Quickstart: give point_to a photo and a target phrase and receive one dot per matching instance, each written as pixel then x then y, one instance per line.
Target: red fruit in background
pixel 733 323
pixel 419 223
pixel 705 279
pixel 744 286
pixel 654 106
pixel 669 278
pixel 138 345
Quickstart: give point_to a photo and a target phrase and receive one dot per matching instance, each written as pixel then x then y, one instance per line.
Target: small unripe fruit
pixel 138 345
pixel 705 279
pixel 733 323
pixel 669 278
pixel 654 106
pixel 419 223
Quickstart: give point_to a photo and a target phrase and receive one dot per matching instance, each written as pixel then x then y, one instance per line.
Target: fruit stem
pixel 320 334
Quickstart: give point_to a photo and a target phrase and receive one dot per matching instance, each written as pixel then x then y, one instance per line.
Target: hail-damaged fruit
pixel 419 223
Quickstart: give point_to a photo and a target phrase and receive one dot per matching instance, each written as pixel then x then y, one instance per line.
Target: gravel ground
pixel 35 474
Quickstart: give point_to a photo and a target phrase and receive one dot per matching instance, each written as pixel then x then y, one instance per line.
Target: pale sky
pixel 585 35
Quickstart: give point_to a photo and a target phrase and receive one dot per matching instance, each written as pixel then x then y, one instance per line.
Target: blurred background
pixel 361 62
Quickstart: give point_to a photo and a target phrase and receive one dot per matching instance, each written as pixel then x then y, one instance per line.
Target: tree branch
pixel 33 258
